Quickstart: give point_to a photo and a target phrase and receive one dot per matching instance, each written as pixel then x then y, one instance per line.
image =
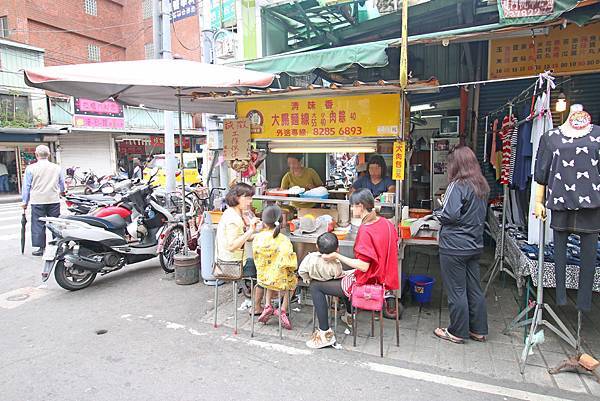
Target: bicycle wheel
pixel 173 245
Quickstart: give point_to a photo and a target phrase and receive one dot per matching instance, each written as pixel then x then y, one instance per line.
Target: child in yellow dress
pixel 276 264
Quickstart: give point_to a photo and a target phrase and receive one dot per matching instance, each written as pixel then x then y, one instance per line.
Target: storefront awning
pixel 367 55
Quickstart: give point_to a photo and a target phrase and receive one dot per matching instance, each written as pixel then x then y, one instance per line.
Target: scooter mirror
pixel 107 190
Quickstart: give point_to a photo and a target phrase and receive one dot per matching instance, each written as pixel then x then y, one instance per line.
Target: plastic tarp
pixel 562 9
pixel 368 55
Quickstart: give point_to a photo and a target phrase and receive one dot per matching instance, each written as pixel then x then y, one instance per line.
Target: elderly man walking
pixel 44 182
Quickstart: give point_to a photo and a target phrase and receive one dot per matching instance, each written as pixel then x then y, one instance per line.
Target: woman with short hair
pixel 376 180
pixel 375 262
pixel 460 246
pixel 235 229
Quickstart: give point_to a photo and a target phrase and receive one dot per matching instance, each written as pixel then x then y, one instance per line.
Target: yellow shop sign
pixel 323 117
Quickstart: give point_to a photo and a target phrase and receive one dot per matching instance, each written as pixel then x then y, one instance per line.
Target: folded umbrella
pixel 23 226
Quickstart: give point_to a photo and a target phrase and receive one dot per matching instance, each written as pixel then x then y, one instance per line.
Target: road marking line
pixel 460 383
pixel 9 237
pixel 10 227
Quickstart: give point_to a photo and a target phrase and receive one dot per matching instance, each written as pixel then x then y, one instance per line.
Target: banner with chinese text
pixel 99 115
pixel 570 50
pixel 236 139
pixel 399 161
pixel 323 117
pixel 526 8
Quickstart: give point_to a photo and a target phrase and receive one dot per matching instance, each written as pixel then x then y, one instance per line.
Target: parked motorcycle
pixel 84 246
pixel 86 204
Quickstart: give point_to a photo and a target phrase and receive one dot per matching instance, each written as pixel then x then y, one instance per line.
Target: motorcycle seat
pixel 111 223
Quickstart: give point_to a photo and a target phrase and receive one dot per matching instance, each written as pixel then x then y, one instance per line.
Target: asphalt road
pixel 154 347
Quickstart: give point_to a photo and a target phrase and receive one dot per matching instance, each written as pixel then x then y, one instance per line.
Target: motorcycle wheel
pixel 173 245
pixel 70 280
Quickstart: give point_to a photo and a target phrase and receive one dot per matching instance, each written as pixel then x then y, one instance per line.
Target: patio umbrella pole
pixel 185 233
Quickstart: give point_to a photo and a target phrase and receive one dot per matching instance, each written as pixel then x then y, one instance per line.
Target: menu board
pixel 236 139
pixel 574 49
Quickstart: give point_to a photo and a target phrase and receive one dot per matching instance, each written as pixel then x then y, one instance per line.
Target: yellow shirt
pixel 275 261
pixel 309 179
pixel 230 228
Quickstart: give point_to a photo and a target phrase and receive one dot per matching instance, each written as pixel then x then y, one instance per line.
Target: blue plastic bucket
pixel 421 287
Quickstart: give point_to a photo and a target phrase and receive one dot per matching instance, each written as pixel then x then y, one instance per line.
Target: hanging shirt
pixel 513 154
pixel 539 125
pixel 570 168
pixel 505 136
pixel 524 150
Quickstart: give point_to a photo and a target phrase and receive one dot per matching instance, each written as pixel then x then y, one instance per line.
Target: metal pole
pixel 161 21
pixel 485 139
pixel 185 233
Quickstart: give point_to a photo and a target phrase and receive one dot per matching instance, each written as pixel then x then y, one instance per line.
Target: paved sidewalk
pixel 497 358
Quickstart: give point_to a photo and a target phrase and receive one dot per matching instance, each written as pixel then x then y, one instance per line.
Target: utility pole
pixel 161 32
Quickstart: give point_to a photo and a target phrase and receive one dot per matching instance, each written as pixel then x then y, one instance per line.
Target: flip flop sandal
pixel 447 336
pixel 255 313
pixel 481 339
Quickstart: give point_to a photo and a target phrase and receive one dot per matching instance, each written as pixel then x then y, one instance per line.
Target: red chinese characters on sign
pixel 236 139
pixel 526 8
pixel 160 141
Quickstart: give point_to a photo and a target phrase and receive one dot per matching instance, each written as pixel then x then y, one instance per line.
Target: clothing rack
pixel 539 306
pixel 499 266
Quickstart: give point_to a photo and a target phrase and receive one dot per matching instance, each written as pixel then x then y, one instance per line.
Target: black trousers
pixel 319 291
pixel 466 302
pixel 38 227
pixel 587 268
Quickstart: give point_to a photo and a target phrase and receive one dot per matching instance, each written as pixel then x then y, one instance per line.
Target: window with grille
pixel 90 7
pixel 4 27
pixel 147 9
pixel 149 50
pixel 93 53
pixel 15 108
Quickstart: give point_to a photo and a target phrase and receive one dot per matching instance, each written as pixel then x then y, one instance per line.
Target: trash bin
pixel 187 268
pixel 421 287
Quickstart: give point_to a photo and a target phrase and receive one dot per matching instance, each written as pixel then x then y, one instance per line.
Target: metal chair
pixel 354 325
pixel 252 286
pixel 234 293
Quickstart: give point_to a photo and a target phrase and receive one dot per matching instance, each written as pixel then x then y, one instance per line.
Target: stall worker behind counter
pixel 376 180
pixel 300 176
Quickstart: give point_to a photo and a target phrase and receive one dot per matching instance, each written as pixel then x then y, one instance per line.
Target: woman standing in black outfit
pixel 461 243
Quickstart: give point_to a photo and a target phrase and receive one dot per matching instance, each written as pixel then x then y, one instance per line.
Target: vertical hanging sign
pixel 236 139
pixel 404 47
pixel 399 161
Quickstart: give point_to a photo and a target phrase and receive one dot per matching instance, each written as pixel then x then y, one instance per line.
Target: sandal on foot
pixel 266 314
pixel 445 335
pixel 478 338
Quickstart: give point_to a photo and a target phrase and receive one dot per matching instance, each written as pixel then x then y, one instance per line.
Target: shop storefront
pixel 17 151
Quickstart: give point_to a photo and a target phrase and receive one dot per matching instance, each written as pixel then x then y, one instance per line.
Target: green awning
pixel 562 9
pixel 337 59
pixel 368 55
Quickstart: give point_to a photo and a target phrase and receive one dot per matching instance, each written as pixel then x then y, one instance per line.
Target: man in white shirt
pixel 44 183
pixel 4 178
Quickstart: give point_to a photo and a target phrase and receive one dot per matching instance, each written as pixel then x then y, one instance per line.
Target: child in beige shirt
pixel 314 267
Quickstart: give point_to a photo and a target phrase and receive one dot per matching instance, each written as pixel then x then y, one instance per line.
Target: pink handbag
pixel 368 297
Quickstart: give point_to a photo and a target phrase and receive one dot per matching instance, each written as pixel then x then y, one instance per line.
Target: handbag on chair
pixel 227 270
pixel 368 297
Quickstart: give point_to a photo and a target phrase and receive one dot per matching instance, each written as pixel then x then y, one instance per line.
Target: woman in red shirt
pixel 375 262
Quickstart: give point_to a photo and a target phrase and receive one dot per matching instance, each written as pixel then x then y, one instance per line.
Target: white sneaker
pixel 346 318
pixel 321 339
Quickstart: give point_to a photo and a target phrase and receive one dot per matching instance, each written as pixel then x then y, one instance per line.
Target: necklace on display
pixel 580 124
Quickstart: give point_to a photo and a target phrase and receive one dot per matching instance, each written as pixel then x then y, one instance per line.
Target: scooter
pixel 84 246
